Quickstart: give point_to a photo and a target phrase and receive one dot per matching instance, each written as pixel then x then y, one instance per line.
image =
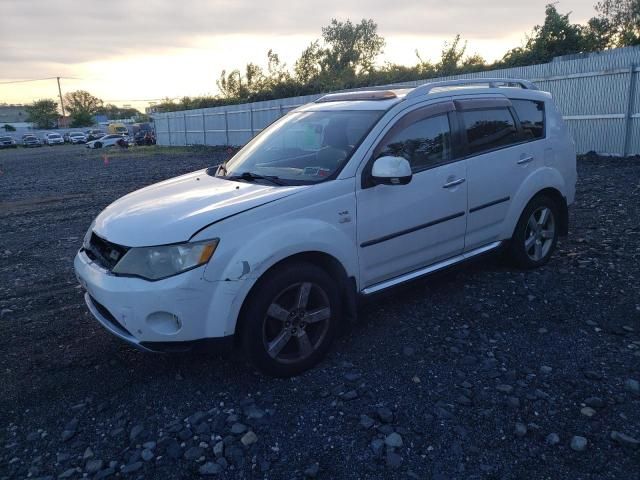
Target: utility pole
pixel 60 93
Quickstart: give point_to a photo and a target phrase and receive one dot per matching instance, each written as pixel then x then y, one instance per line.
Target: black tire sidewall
pixel 263 294
pixel 517 250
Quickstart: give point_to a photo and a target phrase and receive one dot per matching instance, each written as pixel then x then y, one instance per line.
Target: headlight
pixel 155 263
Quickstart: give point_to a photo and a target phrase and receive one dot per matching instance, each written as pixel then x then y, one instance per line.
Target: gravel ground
pixel 482 372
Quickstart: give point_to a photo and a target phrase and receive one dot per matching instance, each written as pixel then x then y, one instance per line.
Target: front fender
pixel 237 272
pixel 545 177
pixel 274 244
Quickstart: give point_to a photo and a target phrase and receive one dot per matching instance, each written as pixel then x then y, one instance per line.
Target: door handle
pixel 525 160
pixel 453 183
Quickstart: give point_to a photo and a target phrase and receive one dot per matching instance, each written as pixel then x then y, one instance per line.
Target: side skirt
pixel 430 269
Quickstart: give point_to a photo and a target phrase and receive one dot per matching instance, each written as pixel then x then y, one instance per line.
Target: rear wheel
pixel 290 319
pixel 536 234
pixel 97 145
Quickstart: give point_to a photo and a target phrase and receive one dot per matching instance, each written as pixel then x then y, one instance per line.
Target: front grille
pixel 104 253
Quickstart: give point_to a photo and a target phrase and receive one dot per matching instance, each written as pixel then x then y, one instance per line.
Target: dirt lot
pixel 484 372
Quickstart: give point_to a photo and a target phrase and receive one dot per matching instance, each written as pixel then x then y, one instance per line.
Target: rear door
pixel 405 227
pixel 499 158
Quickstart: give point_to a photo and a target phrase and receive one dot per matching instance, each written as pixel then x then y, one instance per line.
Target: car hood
pixel 173 210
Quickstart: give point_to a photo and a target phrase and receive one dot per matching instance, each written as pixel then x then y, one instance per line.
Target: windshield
pixel 303 147
pixel 76 134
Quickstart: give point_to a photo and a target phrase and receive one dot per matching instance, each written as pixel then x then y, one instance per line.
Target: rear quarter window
pixel 531 116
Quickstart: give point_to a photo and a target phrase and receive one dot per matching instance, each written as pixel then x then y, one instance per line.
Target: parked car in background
pixel 267 251
pixel 117 127
pixel 144 138
pixel 75 137
pixel 107 141
pixel 30 140
pixel 52 138
pixel 7 141
pixel 136 128
pixel 93 134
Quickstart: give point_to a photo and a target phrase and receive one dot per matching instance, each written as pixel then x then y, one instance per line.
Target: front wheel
pixel 97 145
pixel 290 319
pixel 536 234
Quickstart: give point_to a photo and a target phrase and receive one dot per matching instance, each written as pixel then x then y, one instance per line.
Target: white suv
pixel 52 139
pixel 341 198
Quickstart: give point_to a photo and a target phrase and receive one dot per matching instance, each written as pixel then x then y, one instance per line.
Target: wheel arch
pixel 545 181
pixel 561 203
pixel 326 261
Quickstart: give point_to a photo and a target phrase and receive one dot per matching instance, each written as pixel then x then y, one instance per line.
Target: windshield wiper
pixel 251 177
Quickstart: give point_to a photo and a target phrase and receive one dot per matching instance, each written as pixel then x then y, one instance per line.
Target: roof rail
pixel 492 82
pixel 357 95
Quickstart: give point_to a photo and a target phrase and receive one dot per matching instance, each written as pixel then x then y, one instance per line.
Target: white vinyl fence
pixel 598 95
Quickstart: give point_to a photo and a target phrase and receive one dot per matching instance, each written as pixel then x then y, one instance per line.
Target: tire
pixel 281 334
pixel 536 233
pixel 97 145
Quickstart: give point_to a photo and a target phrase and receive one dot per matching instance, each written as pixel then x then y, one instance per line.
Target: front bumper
pixel 176 313
pixel 218 344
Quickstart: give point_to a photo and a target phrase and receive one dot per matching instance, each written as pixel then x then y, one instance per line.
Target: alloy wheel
pixel 539 234
pixel 296 322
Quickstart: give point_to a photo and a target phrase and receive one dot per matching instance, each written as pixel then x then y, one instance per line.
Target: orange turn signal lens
pixel 207 252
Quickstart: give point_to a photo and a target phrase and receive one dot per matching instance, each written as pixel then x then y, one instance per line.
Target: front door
pixel 405 227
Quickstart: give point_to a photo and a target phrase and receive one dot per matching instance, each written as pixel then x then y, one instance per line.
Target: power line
pixel 30 80
pixel 37 80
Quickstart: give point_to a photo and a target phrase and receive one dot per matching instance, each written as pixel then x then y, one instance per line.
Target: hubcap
pixel 540 233
pixel 296 322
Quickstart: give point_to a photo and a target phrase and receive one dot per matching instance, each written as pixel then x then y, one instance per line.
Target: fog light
pixel 164 323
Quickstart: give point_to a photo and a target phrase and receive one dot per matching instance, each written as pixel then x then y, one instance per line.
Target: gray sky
pixel 133 49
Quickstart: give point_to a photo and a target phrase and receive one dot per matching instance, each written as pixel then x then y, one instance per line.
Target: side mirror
pixel 391 171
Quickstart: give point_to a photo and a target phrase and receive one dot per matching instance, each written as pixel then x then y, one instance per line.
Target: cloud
pixel 66 31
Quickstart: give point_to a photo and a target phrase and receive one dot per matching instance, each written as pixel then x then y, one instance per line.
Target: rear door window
pixel 489 129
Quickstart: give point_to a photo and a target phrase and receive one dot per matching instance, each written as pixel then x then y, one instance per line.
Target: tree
pixel 351 49
pixel 9 128
pixel 308 66
pixel 556 37
pixel 622 17
pixel 256 83
pixel 43 113
pixel 348 50
pixel 113 112
pixel 597 35
pixel 345 57
pixel 82 106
